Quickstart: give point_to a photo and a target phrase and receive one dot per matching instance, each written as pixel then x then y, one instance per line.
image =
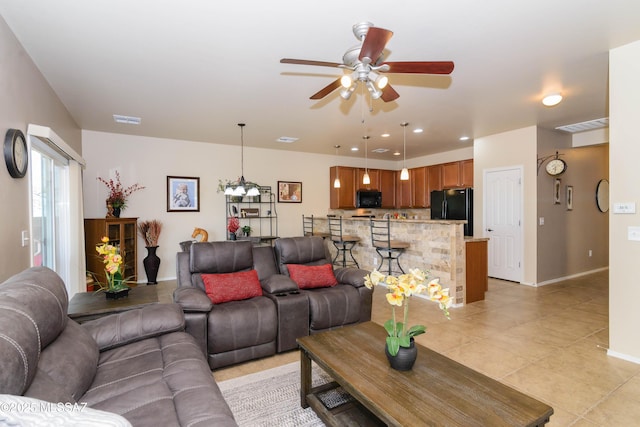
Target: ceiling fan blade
pixel 307 62
pixel 326 90
pixel 420 67
pixel 373 45
pixel 389 94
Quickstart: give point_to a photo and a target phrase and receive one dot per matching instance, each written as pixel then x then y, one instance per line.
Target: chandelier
pixel 241 186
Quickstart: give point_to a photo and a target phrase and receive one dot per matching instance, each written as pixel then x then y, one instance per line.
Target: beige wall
pixel 565 239
pixel 515 148
pixel 624 151
pixel 26 98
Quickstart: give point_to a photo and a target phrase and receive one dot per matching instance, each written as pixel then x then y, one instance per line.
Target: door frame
pixel 485 192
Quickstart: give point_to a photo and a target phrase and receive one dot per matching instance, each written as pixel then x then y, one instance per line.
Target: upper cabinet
pixel 345 196
pixel 396 194
pixel 388 188
pixel 457 174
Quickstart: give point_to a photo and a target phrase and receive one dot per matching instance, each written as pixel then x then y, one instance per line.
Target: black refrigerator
pixel 454 204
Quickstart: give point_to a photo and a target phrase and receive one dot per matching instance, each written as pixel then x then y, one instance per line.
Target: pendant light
pixel 238 189
pixel 336 182
pixel 365 178
pixel 404 174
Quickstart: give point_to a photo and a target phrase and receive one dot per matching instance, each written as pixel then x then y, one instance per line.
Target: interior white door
pixel 503 222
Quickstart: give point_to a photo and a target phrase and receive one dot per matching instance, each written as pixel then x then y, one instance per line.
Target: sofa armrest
pixel 135 325
pixel 351 276
pixel 192 299
pixel 278 283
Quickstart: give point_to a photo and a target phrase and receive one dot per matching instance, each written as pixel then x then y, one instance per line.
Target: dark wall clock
pixel 16 154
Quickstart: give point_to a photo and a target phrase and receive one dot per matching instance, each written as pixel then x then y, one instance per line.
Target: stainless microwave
pixel 368 199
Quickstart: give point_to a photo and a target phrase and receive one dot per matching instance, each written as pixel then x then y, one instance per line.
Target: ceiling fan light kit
pixel 366 62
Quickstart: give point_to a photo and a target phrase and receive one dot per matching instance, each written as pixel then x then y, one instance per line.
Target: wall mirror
pixel 602 195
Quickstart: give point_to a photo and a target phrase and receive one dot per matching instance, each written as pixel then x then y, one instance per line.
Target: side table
pixel 85 306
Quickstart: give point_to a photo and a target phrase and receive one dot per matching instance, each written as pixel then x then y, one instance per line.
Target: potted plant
pixel 118 195
pixel 246 230
pixel 116 286
pixel 150 233
pixel 400 348
pixel 232 227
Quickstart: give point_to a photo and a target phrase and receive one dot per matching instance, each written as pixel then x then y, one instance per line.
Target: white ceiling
pixel 193 69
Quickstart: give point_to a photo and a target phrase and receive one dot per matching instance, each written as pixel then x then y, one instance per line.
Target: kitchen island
pixel 436 246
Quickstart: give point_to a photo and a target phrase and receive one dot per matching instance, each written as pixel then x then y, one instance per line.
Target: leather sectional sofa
pixel 139 364
pixel 298 293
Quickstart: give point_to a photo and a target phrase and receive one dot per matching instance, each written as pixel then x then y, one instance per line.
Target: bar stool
pixel 308 228
pixel 343 243
pixel 389 250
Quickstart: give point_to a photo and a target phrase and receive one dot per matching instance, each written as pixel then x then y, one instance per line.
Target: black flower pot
pixel 116 212
pixel 120 293
pixel 404 360
pixel 151 265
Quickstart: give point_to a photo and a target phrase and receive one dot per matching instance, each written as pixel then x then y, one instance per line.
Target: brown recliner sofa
pixel 139 364
pixel 237 331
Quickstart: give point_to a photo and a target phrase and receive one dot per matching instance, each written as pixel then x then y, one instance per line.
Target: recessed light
pixel 354 148
pixel 552 99
pixel 418 130
pixel 397 153
pixel 130 120
pixel 385 135
pixel 464 138
pixel 287 139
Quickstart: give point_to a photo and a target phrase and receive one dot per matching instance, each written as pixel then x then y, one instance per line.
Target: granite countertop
pixel 411 220
pixel 475 239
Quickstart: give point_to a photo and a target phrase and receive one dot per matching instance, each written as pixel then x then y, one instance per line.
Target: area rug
pixel 272 397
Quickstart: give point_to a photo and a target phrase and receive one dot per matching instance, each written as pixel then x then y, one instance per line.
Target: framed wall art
pixel 569 197
pixel 556 191
pixel 289 192
pixel 183 194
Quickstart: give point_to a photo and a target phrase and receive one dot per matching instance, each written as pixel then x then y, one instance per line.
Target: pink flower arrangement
pixel 233 225
pixel 117 194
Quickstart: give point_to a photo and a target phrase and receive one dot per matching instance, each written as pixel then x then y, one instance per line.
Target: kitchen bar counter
pixel 437 246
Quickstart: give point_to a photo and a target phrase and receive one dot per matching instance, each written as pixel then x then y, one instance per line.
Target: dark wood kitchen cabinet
pixel 345 196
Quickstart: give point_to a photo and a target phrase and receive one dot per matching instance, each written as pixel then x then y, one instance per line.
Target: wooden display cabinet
pixel 122 232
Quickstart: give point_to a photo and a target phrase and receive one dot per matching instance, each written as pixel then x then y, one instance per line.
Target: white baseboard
pixel 572 276
pixel 623 356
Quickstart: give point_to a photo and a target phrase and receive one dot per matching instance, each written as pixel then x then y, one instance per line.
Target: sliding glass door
pixel 50 209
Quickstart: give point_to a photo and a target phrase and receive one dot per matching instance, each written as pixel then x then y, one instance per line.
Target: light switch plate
pixel 624 208
pixel 633 233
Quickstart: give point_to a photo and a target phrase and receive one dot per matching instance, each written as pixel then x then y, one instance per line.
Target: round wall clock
pixel 556 167
pixel 15 153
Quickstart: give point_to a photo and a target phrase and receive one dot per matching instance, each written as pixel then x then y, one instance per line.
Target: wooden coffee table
pixel 437 391
pixel 85 306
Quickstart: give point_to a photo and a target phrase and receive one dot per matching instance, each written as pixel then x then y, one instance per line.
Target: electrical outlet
pixel 590 252
pixel 541 220
pixel 375 261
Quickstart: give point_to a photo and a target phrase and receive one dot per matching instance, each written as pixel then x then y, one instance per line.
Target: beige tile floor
pixel 548 342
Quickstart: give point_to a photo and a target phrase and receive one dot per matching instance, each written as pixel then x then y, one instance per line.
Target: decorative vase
pixel 116 212
pixel 151 265
pixel 232 236
pixel 121 293
pixel 404 360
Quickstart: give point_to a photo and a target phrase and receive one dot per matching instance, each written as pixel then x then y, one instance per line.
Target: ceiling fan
pixel 366 62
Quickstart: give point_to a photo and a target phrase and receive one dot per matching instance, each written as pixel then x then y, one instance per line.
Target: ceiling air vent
pixel 130 120
pixel 287 139
pixel 584 126
pixel 380 150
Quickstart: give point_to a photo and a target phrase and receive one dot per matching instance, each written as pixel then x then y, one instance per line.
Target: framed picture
pixel 556 191
pixel 289 192
pixel 183 194
pixel 569 197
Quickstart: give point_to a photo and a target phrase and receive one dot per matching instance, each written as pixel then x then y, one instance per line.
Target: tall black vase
pixel 151 265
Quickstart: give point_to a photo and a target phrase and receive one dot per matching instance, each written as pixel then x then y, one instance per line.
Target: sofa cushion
pixel 74 348
pixel 312 276
pixel 162 380
pixel 232 286
pixel 33 312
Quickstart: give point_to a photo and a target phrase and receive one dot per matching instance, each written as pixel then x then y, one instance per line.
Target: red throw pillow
pixel 226 287
pixel 312 276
